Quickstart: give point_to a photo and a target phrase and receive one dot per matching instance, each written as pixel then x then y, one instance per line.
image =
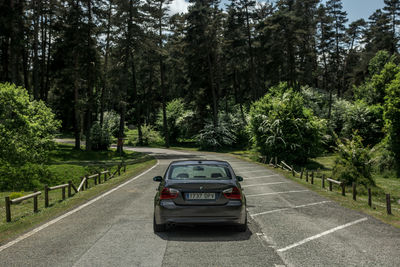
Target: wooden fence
pixel 84 185
pixel 284 166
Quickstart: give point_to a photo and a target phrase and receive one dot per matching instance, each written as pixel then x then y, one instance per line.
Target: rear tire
pixel 158 227
pixel 242 227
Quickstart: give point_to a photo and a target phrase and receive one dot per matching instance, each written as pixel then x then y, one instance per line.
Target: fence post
pixel 69 188
pixel 105 175
pixel 307 176
pixel 95 180
pixel 301 174
pixel 312 177
pixel 8 209
pixel 46 196
pixel 388 205
pixel 323 180
pixel 343 189
pixel 125 167
pixel 293 172
pixel 86 181
pixel 354 191
pixel 369 197
pixel 35 203
pixel 63 193
pixel 330 185
pixel 99 177
pixel 276 162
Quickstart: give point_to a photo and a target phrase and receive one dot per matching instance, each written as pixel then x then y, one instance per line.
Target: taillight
pixel 169 193
pixel 232 193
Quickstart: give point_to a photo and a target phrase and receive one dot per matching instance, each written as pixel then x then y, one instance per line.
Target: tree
pixel 282 127
pixel 392 9
pixel 392 118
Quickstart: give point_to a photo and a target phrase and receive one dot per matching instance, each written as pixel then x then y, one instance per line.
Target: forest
pixel 292 79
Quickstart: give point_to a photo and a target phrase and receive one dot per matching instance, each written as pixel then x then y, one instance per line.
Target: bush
pixel 392 118
pixel 353 163
pixel 178 120
pixel 27 177
pixel 366 120
pixel 230 132
pixel 101 136
pixel 27 128
pixel 281 126
pixel 150 136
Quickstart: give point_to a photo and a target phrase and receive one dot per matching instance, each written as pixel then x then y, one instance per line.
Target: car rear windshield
pixel 200 172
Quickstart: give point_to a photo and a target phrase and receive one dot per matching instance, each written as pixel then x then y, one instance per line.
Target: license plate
pixel 200 196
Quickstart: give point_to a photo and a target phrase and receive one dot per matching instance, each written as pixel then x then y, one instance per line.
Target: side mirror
pixel 239 178
pixel 157 179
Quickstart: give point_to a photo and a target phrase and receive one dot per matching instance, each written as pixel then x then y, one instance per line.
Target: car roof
pixel 201 161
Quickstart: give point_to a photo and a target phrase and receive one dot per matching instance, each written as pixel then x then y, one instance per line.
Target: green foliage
pixel 15 195
pixel 230 132
pixel 179 120
pixel 101 135
pixel 27 127
pixel 26 176
pixel 373 90
pixel 150 136
pixel 27 130
pixel 392 118
pixel 353 163
pixel 213 137
pixel 281 126
pixel 378 62
pixel 366 120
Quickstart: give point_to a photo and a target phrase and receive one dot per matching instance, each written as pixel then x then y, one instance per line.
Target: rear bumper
pixel 167 212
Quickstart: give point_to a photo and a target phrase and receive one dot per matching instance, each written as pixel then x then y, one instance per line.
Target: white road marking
pixel 244 186
pixel 276 193
pixel 295 207
pixel 260 177
pixel 253 171
pixel 11 243
pixel 321 234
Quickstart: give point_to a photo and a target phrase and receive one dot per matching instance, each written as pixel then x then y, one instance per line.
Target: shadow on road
pixel 204 233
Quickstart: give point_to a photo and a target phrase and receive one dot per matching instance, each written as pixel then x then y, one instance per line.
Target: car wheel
pixel 242 227
pixel 158 227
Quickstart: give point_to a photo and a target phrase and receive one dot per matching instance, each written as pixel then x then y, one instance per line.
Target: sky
pixel 356 9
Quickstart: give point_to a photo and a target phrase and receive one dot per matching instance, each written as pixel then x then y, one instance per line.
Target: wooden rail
pixel 9 202
pixel 313 175
pixel 68 186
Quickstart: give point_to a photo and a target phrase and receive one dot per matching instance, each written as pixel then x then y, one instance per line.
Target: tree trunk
pixel 120 146
pixel 77 121
pixel 36 87
pixel 163 89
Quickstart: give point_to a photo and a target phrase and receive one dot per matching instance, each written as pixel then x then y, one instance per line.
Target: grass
pixel 68 164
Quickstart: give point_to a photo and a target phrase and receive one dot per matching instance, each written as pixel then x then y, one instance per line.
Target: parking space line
pixel 259 177
pixel 321 235
pixel 276 193
pixel 244 186
pixel 252 171
pixel 295 207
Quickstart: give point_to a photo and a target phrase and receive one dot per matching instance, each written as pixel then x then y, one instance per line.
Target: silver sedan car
pixel 199 192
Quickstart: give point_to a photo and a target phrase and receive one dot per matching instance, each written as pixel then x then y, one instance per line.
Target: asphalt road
pixel 288 226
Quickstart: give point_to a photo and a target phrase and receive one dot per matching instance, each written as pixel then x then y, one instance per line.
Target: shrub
pixel 27 176
pixel 366 120
pixel 27 128
pixel 392 118
pixel 281 126
pixel 15 195
pixel 178 120
pixel 353 163
pixel 150 136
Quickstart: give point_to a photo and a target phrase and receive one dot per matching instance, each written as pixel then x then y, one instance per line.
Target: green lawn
pixel 68 164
